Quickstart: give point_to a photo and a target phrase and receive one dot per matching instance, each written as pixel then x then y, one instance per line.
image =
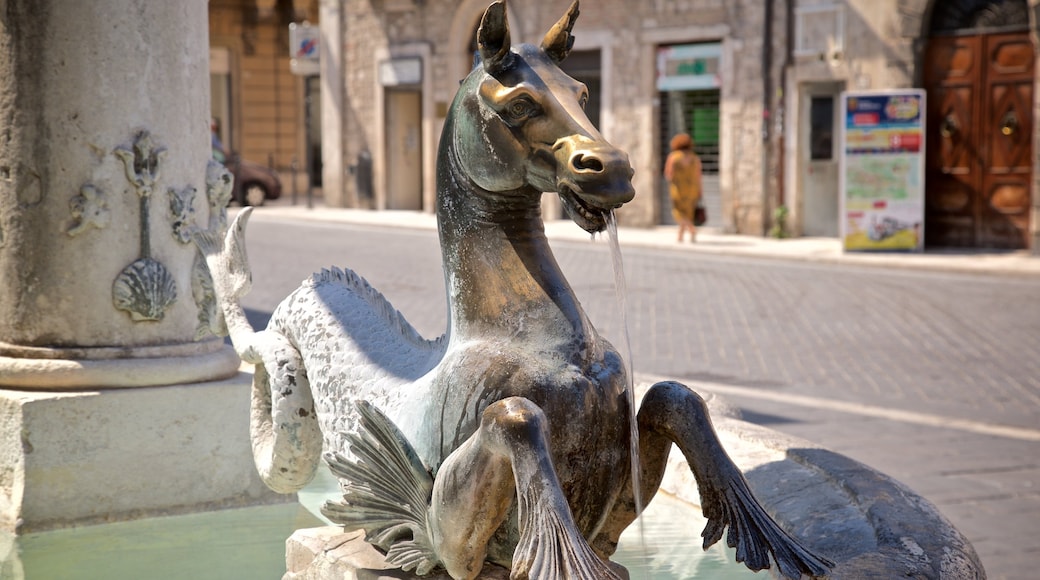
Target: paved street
pixel 930 376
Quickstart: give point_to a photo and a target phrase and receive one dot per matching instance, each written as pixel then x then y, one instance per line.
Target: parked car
pixel 254 183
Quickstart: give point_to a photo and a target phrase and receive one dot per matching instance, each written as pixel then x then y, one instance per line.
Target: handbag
pixel 700 215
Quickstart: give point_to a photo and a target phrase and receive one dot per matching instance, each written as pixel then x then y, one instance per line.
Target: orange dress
pixel 683 171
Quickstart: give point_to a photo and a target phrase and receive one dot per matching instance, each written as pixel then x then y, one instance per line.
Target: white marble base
pixel 85 368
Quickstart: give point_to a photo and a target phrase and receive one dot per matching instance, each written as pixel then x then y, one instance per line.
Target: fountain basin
pixel 248 543
pixel 869 524
pixel 671 528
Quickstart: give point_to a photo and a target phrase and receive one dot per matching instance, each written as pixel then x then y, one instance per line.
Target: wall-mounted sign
pixel 303 49
pixel 882 170
pixel 689 67
pixel 400 71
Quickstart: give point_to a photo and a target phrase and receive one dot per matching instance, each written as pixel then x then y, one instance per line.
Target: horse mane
pixel 360 287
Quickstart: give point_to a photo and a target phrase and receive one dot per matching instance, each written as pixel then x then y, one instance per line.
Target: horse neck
pixel 501 276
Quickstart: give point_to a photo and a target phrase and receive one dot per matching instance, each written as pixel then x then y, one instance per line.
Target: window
pixel 821 128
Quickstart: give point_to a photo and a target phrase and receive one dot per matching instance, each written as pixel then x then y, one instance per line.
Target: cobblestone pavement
pixel 930 376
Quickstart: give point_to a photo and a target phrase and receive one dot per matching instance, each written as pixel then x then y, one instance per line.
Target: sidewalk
pixel 709 241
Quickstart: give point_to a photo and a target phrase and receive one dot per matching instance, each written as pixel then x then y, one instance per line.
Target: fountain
pixel 506 441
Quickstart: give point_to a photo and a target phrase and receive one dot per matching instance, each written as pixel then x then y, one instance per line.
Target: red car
pixel 254 183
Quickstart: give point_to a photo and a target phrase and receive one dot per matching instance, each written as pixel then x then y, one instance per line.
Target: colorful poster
pixel 882 170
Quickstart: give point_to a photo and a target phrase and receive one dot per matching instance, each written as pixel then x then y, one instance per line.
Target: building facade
pixel 265 112
pixel 975 60
pixel 401 62
pixel 756 83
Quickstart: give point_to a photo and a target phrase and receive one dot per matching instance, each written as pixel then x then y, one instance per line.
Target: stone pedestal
pixel 104 176
pixel 88 457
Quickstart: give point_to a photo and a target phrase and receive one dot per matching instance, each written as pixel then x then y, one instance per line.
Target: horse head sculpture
pixel 519 126
pixel 507 440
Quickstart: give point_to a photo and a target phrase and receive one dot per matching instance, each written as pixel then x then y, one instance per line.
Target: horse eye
pixel 521 109
pixel 583 100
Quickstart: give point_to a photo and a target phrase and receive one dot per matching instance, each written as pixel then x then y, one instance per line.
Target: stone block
pixel 83 457
pixel 328 552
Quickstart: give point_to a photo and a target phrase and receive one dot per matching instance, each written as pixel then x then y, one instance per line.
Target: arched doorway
pixel 978 71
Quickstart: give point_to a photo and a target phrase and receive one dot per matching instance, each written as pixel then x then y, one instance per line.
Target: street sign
pixel 882 170
pixel 689 67
pixel 304 41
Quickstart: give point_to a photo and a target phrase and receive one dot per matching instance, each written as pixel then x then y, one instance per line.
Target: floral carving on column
pixel 89 210
pixel 145 288
pixel 182 208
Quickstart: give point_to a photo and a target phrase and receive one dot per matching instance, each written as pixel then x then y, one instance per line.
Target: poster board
pixel 882 170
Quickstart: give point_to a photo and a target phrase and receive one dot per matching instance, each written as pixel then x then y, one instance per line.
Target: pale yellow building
pixel 260 104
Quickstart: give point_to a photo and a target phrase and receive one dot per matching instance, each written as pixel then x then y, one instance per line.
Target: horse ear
pixel 558 41
pixel 493 38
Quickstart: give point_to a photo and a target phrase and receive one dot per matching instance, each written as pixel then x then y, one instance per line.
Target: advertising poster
pixel 882 170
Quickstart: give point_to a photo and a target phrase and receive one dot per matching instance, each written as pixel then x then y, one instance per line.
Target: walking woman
pixel 682 169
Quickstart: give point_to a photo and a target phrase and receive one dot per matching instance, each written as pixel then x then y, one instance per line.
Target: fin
pixel 676 412
pixel 754 534
pixel 227 259
pixel 550 548
pixel 386 492
pixel 377 302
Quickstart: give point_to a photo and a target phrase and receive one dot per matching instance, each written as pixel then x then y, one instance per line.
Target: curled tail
pixel 283 423
pixel 283 427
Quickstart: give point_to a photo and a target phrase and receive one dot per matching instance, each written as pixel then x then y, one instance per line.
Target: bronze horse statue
pixel 506 440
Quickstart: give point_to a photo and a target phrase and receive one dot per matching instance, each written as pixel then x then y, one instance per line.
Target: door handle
pixel 948 127
pixel 1009 124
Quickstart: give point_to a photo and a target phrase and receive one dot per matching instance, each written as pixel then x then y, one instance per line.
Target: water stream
pixel 621 292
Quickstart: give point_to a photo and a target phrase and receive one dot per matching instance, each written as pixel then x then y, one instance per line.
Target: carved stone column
pixel 104 147
pixel 103 153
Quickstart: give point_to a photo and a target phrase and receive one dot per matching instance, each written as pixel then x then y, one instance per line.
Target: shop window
pixel 696 113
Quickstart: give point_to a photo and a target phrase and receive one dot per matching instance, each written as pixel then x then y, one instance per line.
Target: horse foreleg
pixel 673 413
pixel 474 489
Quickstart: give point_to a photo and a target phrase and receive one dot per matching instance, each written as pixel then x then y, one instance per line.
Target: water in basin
pixel 249 544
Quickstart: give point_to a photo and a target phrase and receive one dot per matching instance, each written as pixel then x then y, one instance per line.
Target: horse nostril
pixel 583 162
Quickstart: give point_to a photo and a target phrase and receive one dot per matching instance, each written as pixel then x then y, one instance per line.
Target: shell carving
pixel 145 289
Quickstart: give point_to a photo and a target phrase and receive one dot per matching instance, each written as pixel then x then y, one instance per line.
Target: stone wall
pixel 881 47
pixel 627 35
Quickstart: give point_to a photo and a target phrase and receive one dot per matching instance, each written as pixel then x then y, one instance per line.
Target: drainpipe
pixel 782 112
pixel 767 90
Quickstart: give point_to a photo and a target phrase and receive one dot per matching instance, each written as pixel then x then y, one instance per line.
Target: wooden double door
pixel 979 148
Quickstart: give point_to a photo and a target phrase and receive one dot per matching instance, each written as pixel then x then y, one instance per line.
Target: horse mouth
pixel 589 217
